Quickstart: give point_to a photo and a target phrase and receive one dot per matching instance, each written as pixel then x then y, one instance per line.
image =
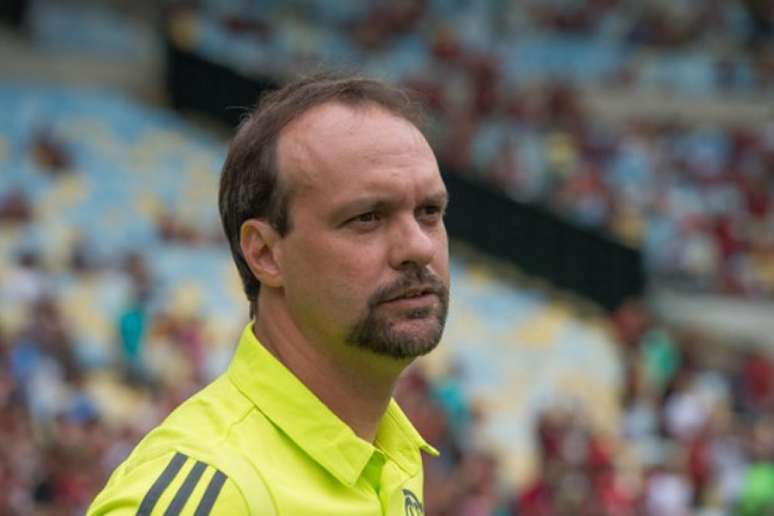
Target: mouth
pixel 414 293
pixel 418 296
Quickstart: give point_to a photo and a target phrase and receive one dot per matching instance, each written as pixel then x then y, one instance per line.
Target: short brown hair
pixel 249 186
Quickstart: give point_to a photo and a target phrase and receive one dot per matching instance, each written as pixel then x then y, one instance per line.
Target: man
pixel 333 205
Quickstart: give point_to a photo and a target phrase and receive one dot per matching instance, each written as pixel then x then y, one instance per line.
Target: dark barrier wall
pixel 542 244
pixel 198 84
pixel 537 241
pixel 12 12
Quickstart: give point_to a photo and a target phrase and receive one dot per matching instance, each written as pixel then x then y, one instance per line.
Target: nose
pixel 412 244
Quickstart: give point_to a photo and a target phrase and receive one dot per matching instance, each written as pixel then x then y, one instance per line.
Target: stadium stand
pixel 118 298
pixel 507 83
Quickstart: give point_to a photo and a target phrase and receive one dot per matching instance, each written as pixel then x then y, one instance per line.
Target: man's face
pixel 366 260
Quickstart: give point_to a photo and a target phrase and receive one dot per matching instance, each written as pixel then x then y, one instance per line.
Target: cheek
pixel 332 276
pixel 354 276
pixel 441 259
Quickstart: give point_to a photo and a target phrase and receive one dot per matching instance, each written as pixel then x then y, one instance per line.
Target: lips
pixel 415 287
pixel 411 294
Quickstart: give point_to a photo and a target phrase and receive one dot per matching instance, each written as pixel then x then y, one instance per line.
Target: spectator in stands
pixel 757 383
pixel 27 282
pixel 15 208
pixel 132 327
pixel 757 495
pixel 51 154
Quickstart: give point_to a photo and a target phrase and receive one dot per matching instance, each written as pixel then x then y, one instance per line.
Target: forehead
pixel 335 149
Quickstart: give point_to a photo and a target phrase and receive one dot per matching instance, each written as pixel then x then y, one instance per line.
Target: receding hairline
pixel 356 107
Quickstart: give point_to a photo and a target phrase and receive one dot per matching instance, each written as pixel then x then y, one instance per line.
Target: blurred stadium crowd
pixel 117 298
pixel 502 80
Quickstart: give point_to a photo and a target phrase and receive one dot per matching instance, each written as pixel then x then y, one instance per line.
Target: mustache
pixel 414 279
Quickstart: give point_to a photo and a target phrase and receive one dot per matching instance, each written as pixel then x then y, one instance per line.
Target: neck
pixel 354 384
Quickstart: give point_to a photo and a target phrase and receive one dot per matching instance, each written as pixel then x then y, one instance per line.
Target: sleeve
pixel 171 484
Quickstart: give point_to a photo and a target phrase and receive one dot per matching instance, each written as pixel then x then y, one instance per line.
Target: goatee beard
pixel 378 333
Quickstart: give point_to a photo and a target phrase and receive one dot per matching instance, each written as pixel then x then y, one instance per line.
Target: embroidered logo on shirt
pixel 411 504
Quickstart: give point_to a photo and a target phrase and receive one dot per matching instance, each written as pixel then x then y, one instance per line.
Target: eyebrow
pixel 441 198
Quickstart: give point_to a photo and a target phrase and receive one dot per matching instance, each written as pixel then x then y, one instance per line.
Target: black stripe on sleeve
pixel 211 494
pixel 161 483
pixel 182 495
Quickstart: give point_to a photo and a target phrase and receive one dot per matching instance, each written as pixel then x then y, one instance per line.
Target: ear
pixel 257 238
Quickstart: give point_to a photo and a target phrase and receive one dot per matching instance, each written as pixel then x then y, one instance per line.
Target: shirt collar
pixel 290 405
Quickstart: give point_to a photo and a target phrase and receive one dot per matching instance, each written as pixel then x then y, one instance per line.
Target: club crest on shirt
pixel 411 504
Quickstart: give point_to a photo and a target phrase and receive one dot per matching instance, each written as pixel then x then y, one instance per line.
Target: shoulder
pixel 175 482
pixel 190 462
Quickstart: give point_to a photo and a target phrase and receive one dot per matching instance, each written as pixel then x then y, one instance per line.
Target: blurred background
pixel 610 345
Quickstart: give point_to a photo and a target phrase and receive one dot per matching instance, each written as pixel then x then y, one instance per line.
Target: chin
pixel 407 334
pixel 408 339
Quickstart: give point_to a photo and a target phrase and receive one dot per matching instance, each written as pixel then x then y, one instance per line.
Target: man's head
pixel 332 203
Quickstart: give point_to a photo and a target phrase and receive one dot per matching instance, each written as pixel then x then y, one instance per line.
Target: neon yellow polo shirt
pixel 257 441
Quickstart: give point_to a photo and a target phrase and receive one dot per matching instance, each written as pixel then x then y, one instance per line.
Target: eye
pixel 365 217
pixel 365 221
pixel 430 213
